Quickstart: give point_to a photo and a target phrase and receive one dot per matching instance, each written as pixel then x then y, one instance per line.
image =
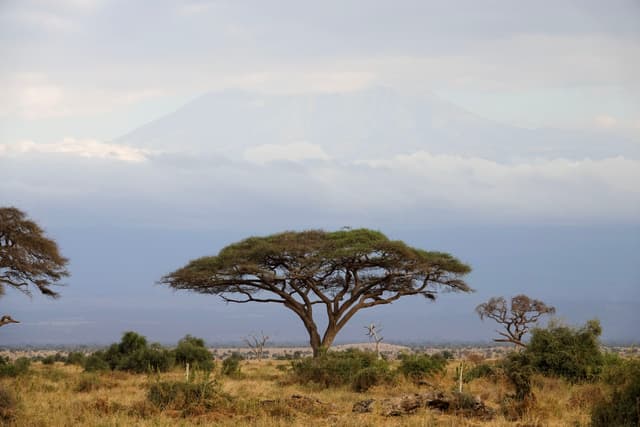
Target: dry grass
pixel 57 395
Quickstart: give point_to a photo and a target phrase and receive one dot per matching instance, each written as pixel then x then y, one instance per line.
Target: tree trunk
pixel 329 336
pixel 314 340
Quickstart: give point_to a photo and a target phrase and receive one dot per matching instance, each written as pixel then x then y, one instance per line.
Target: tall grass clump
pixel 8 405
pixel 189 397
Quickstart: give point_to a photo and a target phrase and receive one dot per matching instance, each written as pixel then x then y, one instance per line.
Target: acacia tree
pixel 516 320
pixel 27 257
pixel 342 272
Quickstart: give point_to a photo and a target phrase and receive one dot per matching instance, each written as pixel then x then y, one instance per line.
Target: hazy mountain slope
pixel 360 125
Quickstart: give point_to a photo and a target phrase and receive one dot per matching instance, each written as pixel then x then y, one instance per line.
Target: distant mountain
pixel 360 125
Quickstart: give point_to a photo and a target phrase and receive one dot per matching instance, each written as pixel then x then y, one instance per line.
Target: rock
pixel 440 404
pixel 363 406
pixel 404 405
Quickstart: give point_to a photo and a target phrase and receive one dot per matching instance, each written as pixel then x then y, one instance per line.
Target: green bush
pixel 96 362
pixel 47 360
pixel 360 369
pixel 192 350
pixel 133 354
pixel 417 366
pixel 18 367
pixel 622 408
pixel 366 378
pixel 567 352
pixel 231 365
pixel 518 370
pixel 75 358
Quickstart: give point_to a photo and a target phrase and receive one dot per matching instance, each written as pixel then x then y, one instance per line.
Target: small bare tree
pixel 516 320
pixel 373 334
pixel 256 343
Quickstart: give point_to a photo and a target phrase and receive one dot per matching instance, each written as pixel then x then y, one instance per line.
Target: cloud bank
pixel 287 185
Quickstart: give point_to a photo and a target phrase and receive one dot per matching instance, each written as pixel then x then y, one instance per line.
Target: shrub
pixel 8 405
pixel 623 408
pixel 20 366
pixel 231 365
pixel 518 370
pixel 193 351
pixel 96 362
pixel 360 369
pixel 48 360
pixel 76 358
pixel 567 352
pixel 366 378
pixel 133 354
pixel 417 366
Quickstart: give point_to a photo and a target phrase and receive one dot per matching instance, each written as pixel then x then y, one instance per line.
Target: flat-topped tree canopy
pixel 341 271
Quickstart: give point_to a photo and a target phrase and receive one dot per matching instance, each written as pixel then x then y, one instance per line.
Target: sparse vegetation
pixel 231 365
pixel 18 367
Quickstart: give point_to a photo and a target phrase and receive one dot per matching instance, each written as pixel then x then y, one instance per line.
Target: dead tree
pixel 256 343
pixel 372 333
pixel 516 320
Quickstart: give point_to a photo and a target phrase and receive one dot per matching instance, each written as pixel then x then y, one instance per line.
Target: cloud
pixel 294 152
pixel 408 188
pixel 35 96
pixel 78 148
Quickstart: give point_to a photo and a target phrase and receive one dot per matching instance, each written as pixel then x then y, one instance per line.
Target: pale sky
pixel 227 118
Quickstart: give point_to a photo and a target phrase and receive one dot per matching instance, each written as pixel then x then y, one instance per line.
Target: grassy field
pixel 264 395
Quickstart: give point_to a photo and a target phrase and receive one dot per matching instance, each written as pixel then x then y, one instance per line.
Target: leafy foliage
pixel 572 353
pixel 622 408
pixel 192 350
pixel 519 370
pixel 417 366
pixel 345 270
pixel 76 358
pixel 18 367
pixel 133 354
pixel 27 256
pixel 96 362
pixel 360 369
